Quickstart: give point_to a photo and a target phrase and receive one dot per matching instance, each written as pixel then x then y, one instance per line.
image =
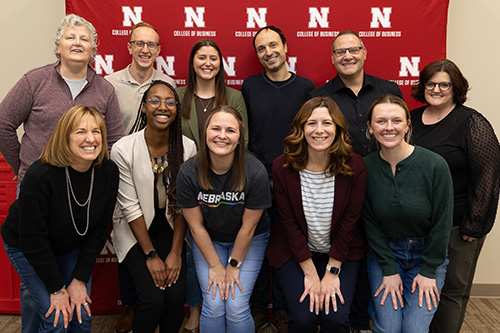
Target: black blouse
pixel 467 141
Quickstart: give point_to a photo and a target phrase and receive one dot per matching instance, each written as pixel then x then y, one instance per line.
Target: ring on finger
pixel 86 303
pixel 333 296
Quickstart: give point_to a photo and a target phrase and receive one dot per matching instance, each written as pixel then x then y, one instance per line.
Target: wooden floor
pixel 483 316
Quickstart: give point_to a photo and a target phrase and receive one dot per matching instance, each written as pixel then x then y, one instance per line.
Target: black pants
pixel 156 306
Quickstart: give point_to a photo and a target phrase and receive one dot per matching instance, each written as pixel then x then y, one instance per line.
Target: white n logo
pixel 229 66
pixel 166 65
pixel 290 64
pixel 131 17
pixel 192 17
pixel 379 18
pixel 316 18
pixel 253 17
pixel 407 66
pixel 107 249
pixel 106 65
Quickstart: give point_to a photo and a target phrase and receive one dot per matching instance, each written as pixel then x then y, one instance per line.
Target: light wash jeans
pixel 232 314
pixel 40 296
pixel 411 318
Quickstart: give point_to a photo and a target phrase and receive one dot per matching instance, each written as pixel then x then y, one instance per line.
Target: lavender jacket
pixel 38 100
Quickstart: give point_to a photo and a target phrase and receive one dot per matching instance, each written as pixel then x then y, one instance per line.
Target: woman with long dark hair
pixel 148 229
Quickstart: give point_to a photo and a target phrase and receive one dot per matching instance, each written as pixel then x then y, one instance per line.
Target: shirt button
pixel 395 195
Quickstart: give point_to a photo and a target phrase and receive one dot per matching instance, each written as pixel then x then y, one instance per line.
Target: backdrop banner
pixel 401 37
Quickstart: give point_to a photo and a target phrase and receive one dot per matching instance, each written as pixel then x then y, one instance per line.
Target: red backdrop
pixel 401 37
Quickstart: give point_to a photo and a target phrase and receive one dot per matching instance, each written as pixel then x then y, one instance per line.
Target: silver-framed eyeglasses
pixel 443 86
pixel 140 44
pixel 155 102
pixel 352 50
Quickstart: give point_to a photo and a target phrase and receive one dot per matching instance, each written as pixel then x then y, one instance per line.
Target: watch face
pixel 233 262
pixel 151 254
pixel 335 270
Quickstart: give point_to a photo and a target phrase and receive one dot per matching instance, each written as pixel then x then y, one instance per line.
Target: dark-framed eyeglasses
pixel 352 50
pixel 443 86
pixel 156 102
pixel 140 44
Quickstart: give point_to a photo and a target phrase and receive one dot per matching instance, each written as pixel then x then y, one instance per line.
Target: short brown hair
pixel 458 81
pixel 57 152
pixel 238 170
pixel 142 25
pixel 296 153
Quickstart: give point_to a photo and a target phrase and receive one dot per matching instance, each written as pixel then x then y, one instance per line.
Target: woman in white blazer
pixel 148 229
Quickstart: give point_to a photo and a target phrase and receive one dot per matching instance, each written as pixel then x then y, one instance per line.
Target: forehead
pixel 210 50
pixel 145 33
pixel 320 112
pixel 224 119
pixel 388 110
pixel 86 120
pixel 346 41
pixel 267 36
pixel 77 29
pixel 160 90
pixel 441 77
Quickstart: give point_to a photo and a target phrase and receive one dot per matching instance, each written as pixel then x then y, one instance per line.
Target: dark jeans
pixel 156 306
pixel 127 291
pixel 266 280
pixel 359 316
pixel 300 319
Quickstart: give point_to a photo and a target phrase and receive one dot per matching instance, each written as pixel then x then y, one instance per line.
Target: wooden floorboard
pixel 483 316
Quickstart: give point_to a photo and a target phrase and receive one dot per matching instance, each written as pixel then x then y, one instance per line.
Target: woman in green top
pixel 407 216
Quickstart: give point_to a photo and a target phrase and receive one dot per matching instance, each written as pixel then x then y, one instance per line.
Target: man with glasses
pixel 354 91
pixel 131 82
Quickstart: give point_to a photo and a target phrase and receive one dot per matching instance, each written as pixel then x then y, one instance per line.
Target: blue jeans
pixel 233 314
pixel 41 296
pixel 193 292
pixel 300 319
pixel 411 318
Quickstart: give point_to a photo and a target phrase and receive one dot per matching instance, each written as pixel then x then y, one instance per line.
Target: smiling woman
pixel 59 224
pixel 148 229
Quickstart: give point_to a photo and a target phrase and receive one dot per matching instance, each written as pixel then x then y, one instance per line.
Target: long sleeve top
pixel 415 202
pixel 289 238
pixel 40 223
pixel 469 145
pixel 38 100
pixel 136 189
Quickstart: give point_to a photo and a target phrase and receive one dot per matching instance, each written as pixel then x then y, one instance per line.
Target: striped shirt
pixel 318 192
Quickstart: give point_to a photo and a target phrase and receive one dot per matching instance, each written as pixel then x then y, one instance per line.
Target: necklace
pixel 205 107
pixel 159 168
pixel 69 188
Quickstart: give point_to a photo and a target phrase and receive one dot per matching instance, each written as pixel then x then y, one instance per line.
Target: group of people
pixel 355 206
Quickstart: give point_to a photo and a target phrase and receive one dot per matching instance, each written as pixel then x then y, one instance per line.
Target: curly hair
pixel 175 153
pixel 73 20
pixel 459 83
pixel 296 147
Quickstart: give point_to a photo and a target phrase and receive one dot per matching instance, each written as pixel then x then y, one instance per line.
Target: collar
pixel 91 73
pixel 338 84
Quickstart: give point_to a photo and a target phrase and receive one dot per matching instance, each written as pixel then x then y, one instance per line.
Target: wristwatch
pixel 234 263
pixel 332 269
pixel 151 254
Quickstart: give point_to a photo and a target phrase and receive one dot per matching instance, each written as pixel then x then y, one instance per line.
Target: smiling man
pixel 131 82
pixel 352 89
pixel 272 98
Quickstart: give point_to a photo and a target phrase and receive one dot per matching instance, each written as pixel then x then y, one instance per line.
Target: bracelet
pixel 59 291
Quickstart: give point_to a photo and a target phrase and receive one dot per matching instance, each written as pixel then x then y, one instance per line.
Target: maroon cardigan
pixel 289 237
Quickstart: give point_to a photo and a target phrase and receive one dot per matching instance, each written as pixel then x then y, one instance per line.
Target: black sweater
pixel 40 224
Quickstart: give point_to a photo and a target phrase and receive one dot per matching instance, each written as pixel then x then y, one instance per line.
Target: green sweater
pixel 415 202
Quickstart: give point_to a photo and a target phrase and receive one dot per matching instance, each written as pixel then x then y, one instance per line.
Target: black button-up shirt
pixel 355 108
